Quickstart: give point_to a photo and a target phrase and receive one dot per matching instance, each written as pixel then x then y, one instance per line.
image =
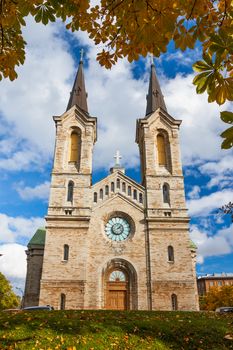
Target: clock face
pixel 117 229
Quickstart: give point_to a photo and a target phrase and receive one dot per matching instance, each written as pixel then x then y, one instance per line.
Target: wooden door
pixel 116 296
pixel 117 300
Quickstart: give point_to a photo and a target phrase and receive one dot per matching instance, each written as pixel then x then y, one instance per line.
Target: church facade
pixel 116 244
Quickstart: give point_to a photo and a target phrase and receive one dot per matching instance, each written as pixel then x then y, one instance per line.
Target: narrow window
pixel 112 187
pixel 95 197
pixel 135 195
pixel 74 143
pixel 63 301
pixel 118 183
pixel 66 252
pixel 161 150
pixel 170 252
pixel 174 302
pixel 129 191
pixel 106 190
pixel 140 198
pixel 166 195
pixel 101 194
pixel 123 187
pixel 70 191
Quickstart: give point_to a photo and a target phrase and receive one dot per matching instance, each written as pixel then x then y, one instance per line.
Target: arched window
pixel 123 186
pixel 63 301
pixel 70 191
pixel 174 302
pixel 95 197
pixel 166 194
pixel 170 253
pixel 106 190
pixel 101 193
pixel 140 198
pixel 161 147
pixel 135 195
pixel 112 187
pixel 117 276
pixel 118 183
pixel 66 252
pixel 74 145
pixel 129 191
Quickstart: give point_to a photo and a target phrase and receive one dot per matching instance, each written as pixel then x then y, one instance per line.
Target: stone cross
pixel 117 157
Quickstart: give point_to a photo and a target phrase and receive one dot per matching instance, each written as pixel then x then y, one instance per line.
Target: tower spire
pixel 155 98
pixel 78 95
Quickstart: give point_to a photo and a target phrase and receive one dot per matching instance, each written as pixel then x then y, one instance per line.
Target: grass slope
pixel 72 330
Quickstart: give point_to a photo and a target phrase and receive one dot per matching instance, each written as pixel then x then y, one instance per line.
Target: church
pixel 116 244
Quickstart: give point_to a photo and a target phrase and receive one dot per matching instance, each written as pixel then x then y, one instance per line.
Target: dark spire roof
pixel 154 98
pixel 78 95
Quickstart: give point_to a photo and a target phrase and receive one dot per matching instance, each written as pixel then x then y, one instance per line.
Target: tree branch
pixel 194 4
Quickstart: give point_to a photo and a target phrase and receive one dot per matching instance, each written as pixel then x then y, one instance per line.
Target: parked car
pixel 224 309
pixel 37 308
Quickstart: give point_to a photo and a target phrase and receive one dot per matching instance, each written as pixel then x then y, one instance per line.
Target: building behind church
pixel 116 244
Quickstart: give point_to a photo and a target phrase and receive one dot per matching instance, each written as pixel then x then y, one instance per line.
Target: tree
pixel 8 299
pixel 227 209
pixel 130 28
pixel 217 297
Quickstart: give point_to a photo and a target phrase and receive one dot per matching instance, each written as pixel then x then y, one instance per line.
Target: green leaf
pixel 199 77
pixel 227 117
pixel 38 16
pixel 228 133
pixel 201 66
pixel 226 144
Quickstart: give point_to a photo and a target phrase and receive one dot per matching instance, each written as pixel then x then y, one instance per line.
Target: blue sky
pixel 117 97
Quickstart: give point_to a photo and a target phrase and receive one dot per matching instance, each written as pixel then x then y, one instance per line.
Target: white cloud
pixel 14 228
pixel 206 204
pixel 41 90
pixel 223 166
pixel 221 172
pixel 201 124
pixel 186 58
pixel 25 159
pixel 40 191
pixel 220 181
pixel 219 244
pixel 13 260
pixel 195 192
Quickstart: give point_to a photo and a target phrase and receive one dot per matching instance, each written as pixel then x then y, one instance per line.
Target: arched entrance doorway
pixel 120 285
pixel 117 291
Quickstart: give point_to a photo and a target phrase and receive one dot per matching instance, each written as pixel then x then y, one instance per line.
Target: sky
pixel 117 97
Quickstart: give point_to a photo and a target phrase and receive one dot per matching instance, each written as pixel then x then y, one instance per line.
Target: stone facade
pixel 155 262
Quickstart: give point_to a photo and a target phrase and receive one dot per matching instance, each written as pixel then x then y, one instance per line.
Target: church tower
pixel 116 244
pixel 169 250
pixel 70 198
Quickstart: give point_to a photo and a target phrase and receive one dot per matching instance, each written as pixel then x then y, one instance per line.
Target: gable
pixel 118 185
pixel 76 117
pixel 159 119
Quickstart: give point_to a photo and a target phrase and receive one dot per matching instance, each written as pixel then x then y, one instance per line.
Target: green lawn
pixel 72 330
